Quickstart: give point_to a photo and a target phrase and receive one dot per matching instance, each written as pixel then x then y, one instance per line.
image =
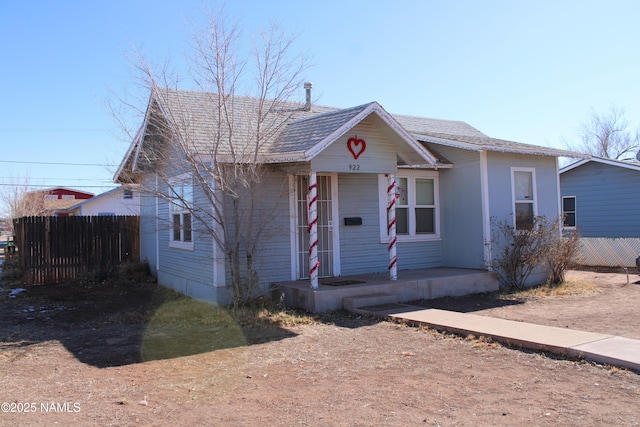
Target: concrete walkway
pixel 600 348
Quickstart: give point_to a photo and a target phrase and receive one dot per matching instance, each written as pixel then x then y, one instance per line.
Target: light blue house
pixel 601 197
pixel 450 181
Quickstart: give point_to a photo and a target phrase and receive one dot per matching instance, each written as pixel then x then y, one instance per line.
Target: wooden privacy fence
pixel 57 249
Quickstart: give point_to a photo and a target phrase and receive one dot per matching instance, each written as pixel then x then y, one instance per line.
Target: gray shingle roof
pixel 289 129
pixel 481 143
pixel 305 133
pixel 436 127
pixel 292 128
pixel 196 114
pixel 462 135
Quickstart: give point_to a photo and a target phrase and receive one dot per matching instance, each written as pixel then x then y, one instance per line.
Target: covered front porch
pixel 353 292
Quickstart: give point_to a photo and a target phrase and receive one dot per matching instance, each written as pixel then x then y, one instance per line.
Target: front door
pixel 326 233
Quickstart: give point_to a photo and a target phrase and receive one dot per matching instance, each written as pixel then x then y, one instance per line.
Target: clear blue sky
pixel 527 71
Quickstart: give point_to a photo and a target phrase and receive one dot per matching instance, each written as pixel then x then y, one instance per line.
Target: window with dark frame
pixel 569 211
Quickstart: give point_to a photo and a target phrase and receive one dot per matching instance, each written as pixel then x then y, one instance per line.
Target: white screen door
pixel 325 226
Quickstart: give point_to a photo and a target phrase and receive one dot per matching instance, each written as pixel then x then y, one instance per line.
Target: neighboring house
pixel 123 200
pixel 53 201
pixel 601 197
pixel 601 201
pixel 452 181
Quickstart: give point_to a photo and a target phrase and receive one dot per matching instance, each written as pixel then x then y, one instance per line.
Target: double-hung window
pixel 181 192
pixel 523 184
pixel 569 211
pixel 417 216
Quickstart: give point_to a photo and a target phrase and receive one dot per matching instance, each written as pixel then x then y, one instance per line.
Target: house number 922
pixel 354 167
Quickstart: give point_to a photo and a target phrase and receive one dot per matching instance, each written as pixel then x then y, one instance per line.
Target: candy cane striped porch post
pixel 312 220
pixel 391 226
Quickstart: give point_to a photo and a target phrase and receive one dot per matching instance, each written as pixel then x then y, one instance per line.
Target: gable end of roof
pixel 611 162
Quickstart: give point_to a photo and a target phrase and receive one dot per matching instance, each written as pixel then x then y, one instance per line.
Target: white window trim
pixel 513 191
pixel 179 244
pixel 411 175
pixel 575 212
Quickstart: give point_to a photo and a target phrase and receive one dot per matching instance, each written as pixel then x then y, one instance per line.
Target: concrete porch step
pixel 412 285
pixel 354 303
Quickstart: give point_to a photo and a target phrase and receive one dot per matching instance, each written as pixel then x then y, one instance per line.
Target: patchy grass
pixel 179 325
pixel 182 326
pixel 568 288
pixel 481 342
pixel 127 317
pixel 267 313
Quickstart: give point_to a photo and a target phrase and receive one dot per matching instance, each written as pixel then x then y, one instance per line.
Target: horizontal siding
pixel 607 199
pixel 414 255
pixel 273 253
pixel 500 195
pixel 360 248
pixel 461 209
pixel 190 266
pixel 148 226
pixel 192 271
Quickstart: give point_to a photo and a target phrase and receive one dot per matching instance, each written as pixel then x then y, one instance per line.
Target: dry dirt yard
pixel 131 354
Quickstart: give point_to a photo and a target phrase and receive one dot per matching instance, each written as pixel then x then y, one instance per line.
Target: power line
pixel 54 163
pixel 32 178
pixel 63 130
pixel 50 186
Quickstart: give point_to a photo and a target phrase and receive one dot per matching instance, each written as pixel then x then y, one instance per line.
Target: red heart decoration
pixel 353 144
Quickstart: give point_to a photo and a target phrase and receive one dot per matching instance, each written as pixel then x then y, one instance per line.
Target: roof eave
pixel 602 160
pixel 438 165
pixel 538 151
pixel 289 157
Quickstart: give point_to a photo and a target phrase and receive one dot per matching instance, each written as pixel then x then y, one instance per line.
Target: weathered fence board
pixel 58 249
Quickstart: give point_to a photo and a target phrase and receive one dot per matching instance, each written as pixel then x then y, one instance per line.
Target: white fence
pixel 608 252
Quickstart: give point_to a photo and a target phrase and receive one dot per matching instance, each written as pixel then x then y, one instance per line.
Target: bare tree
pixel 226 169
pixel 18 201
pixel 608 135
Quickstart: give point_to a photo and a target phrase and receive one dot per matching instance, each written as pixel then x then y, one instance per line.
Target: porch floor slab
pixel 428 283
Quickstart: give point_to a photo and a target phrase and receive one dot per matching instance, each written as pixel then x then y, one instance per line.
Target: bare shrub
pixel 562 255
pixel 521 251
